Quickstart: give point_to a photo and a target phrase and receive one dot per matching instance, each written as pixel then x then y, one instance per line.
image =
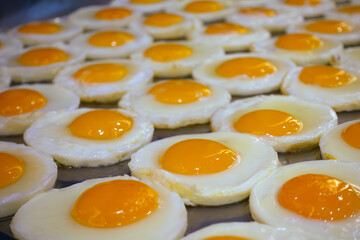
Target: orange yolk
pixel 253 67
pixel 226 238
pixel 1 44
pixel 203 7
pixel 43 56
pixel 113 13
pixel 351 135
pixel 268 122
pixel 325 76
pixel 298 42
pixel 18 101
pixel 11 169
pixel 163 20
pixel 319 197
pixel 110 39
pixel 100 125
pixel 198 156
pixel 302 2
pixel 101 73
pixel 179 91
pixel 114 204
pixel 258 11
pixel 145 1
pixel 225 28
pixel 167 52
pixel 354 9
pixel 40 28
pixel 329 27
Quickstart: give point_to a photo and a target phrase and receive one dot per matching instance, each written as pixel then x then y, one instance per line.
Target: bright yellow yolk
pixel 167 52
pixel 114 204
pixel 302 2
pixel 198 156
pixel 100 125
pixel 203 7
pixel 319 197
pixel 226 238
pixel 11 169
pixel 163 20
pixel 226 28
pixel 298 42
pixel 145 1
pixel 113 13
pixel 40 28
pixel 325 76
pixel 101 73
pixel 258 11
pixel 329 27
pixel 354 9
pixel 253 67
pixel 351 135
pixel 19 101
pixel 179 91
pixel 43 56
pixel 110 39
pixel 268 122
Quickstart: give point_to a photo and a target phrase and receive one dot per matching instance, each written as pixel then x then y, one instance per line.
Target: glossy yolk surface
pixel 354 9
pixel 11 169
pixel 43 56
pixel 319 197
pixel 329 27
pixel 302 2
pixel 179 91
pixel 145 1
pixel 226 238
pixel 226 28
pixel 163 19
pixel 298 42
pixel 101 73
pixel 19 101
pixel 113 13
pixel 325 76
pixel 198 156
pixel 268 122
pixel 253 67
pixel 110 39
pixel 351 135
pixel 167 52
pixel 258 11
pixel 114 204
pixel 203 7
pixel 40 28
pixel 100 125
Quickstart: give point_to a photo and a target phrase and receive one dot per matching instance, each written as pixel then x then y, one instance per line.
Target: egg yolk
pixel 203 7
pixel 258 11
pixel 114 204
pixel 100 125
pixel 226 238
pixel 329 27
pixel 268 122
pixel 11 169
pixel 1 44
pixel 198 156
pixel 298 42
pixel 40 28
pixel 253 67
pixel 167 52
pixel 351 135
pixel 179 91
pixel 101 73
pixel 163 20
pixel 110 39
pixel 354 9
pixel 325 76
pixel 328 156
pixel 226 28
pixel 43 56
pixel 18 101
pixel 319 197
pixel 302 2
pixel 145 1
pixel 113 13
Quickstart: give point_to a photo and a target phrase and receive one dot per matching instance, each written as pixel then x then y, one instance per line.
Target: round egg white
pixel 144 7
pixel 58 99
pixel 316 118
pixel 50 134
pixel 51 212
pixel 5 78
pixel 137 75
pixel 243 85
pixel 350 57
pixel 39 175
pixel 265 208
pixel 306 10
pixel 10 44
pixel 257 159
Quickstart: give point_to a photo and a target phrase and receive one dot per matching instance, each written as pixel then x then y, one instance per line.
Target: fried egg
pixel 144 6
pixel 302 48
pixel 5 78
pixel 350 57
pixel 110 43
pixel 105 208
pixel 230 36
pixel 244 74
pixel 104 80
pixel 176 103
pixel 307 8
pixel 176 58
pixel 21 105
pixel 24 173
pixel 284 122
pixel 319 197
pixel 249 3
pixel 89 137
pixel 9 44
pixel 206 169
pixel 350 12
pixel 337 87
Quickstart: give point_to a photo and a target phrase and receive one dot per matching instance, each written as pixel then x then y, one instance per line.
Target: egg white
pixel 306 11
pixel 350 57
pixel 336 14
pixel 144 8
pixel 249 3
pixel 5 78
pixel 10 44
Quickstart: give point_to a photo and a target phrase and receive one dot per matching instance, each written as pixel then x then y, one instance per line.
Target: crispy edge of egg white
pixel 306 11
